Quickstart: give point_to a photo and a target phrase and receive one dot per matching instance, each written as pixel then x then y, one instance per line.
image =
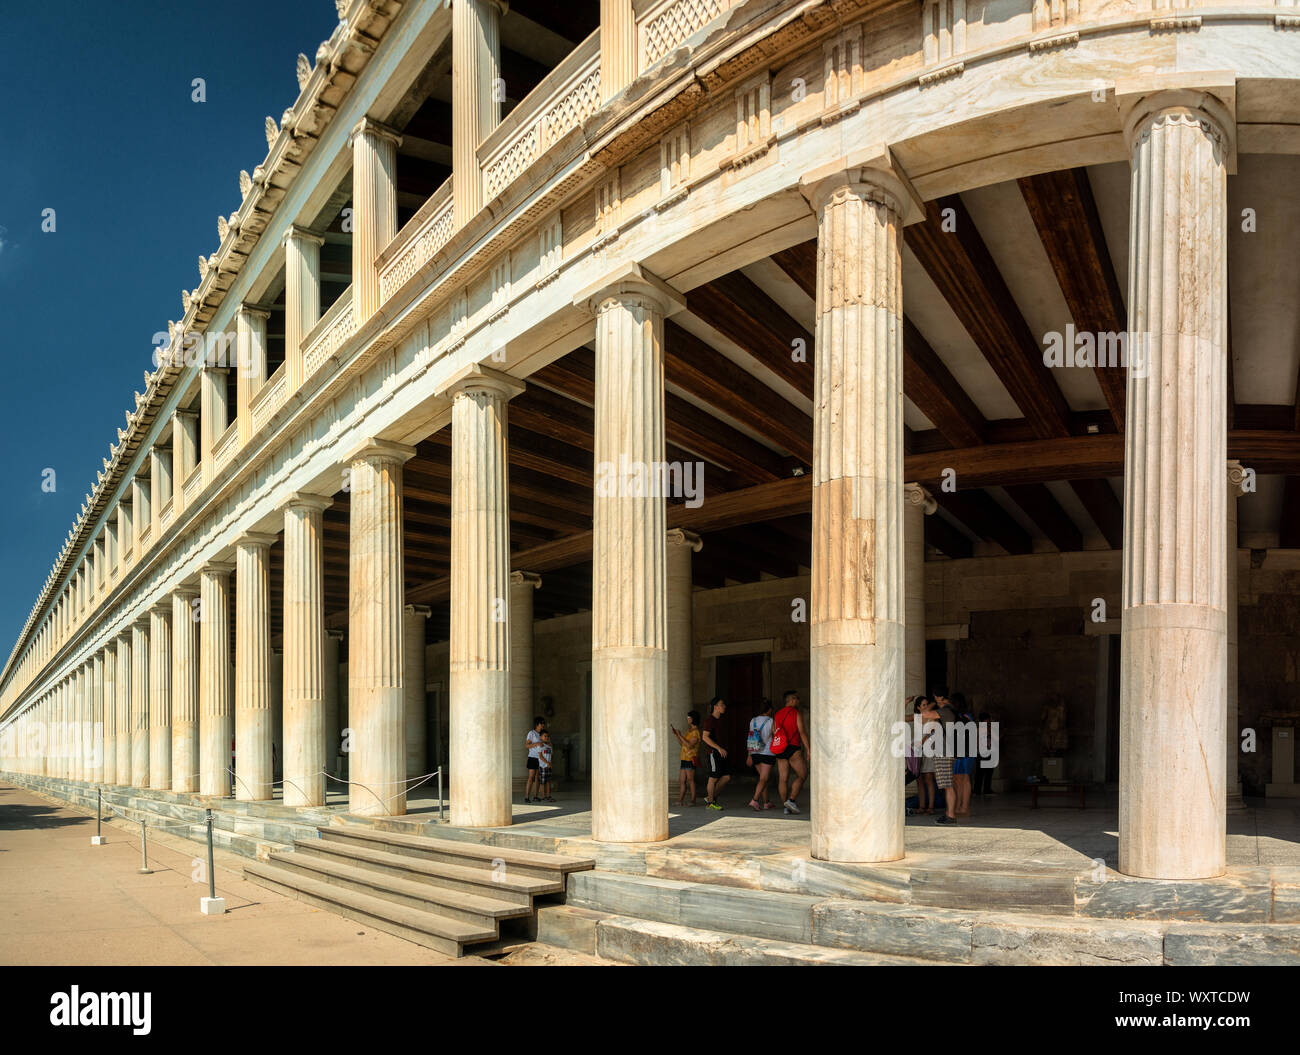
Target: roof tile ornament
pixel 303 71
pixel 121 435
pixel 185 299
pixel 342 7
pixel 245 183
pixel 203 268
pixel 271 132
pixel 222 228
pixel 287 120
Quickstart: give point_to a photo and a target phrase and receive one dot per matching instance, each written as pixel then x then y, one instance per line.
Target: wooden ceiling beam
pixel 1064 211
pixel 960 265
pixel 981 513
pixel 1106 510
pixel 1041 506
pixel 947 539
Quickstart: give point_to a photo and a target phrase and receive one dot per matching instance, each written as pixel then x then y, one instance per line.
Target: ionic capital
pixel 1236 479
pixel 253 311
pixel 479 378
pixel 1208 99
pixel 336 635
pixel 916 495
pixel 423 611
pixel 217 568
pixel 870 173
pixel 525 578
pixel 630 283
pixel 683 537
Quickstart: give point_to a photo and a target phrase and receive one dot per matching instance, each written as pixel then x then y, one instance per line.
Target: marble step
pixel 247 844
pixel 937 935
pixel 504 860
pixel 430 929
pixel 625 939
pixel 517 889
pixel 468 906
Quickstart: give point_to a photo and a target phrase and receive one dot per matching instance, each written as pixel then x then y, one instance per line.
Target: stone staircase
pixel 438 893
pixel 648 920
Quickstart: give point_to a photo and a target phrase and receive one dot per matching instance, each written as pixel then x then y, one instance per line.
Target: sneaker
pixel 753 805
pixel 714 806
pixel 527 799
pixel 769 805
pixel 791 806
pixel 788 810
pixel 943 818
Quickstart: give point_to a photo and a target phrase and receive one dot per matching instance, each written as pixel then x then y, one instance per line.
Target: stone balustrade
pixel 335 327
pixel 417 242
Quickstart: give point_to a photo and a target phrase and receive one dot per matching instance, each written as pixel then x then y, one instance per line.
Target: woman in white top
pixel 759 746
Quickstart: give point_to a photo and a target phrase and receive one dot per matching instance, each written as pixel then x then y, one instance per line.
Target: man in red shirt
pixel 789 731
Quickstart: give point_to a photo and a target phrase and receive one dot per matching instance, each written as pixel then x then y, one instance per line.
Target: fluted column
pixel 475 102
pixel 376 696
pixel 480 606
pixel 140 704
pixel 1232 778
pixel 857 637
pixel 523 587
pixel 253 777
pixel 74 726
pixel 250 376
pixel 185 691
pixel 629 656
pixel 374 204
pixel 160 486
pixel 301 296
pixel 110 716
pixel 681 641
pixel 1174 635
pixel 97 744
pixel 215 417
pixel 216 725
pixel 618 48
pixel 304 652
pixel 415 617
pixel 160 697
pixel 917 505
pixel 124 730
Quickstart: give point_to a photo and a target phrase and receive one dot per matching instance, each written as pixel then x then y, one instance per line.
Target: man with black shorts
pixel 533 743
pixel 719 766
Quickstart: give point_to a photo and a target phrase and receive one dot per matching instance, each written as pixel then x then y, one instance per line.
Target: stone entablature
pixel 455 314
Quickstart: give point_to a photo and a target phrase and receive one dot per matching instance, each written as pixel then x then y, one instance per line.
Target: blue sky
pixel 99 124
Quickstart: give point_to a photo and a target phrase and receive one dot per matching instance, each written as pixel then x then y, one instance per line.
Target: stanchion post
pixel 211 905
pixel 144 868
pixel 440 793
pixel 98 838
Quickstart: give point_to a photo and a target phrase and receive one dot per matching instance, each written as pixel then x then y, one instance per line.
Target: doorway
pixel 739 680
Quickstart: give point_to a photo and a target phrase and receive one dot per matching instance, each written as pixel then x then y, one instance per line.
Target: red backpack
pixel 780 732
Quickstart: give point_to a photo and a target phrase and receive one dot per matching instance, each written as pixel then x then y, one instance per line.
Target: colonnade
pixel 867 608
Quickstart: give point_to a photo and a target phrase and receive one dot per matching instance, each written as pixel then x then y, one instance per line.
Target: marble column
pixel 523 587
pixel 374 205
pixel 1173 680
pixel 185 454
pixel 415 616
pixel 253 777
pixel 917 505
pixel 140 704
pixel 475 98
pixel 305 669
pixel 124 730
pixel 160 486
pixel 333 729
pixel 480 601
pixel 215 723
pixel 109 657
pixel 214 419
pixel 97 744
pixel 74 726
pixel 681 643
pixel 185 691
pixel 629 655
pixel 857 611
pixel 160 696
pixel 376 694
pixel 301 297
pixel 618 51
pixel 1232 778
pixel 250 375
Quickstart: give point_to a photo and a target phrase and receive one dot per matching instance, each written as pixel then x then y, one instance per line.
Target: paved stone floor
pixel 1002 827
pixel 63 901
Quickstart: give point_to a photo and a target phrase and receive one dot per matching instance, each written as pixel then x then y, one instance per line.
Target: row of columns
pixel 866 550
